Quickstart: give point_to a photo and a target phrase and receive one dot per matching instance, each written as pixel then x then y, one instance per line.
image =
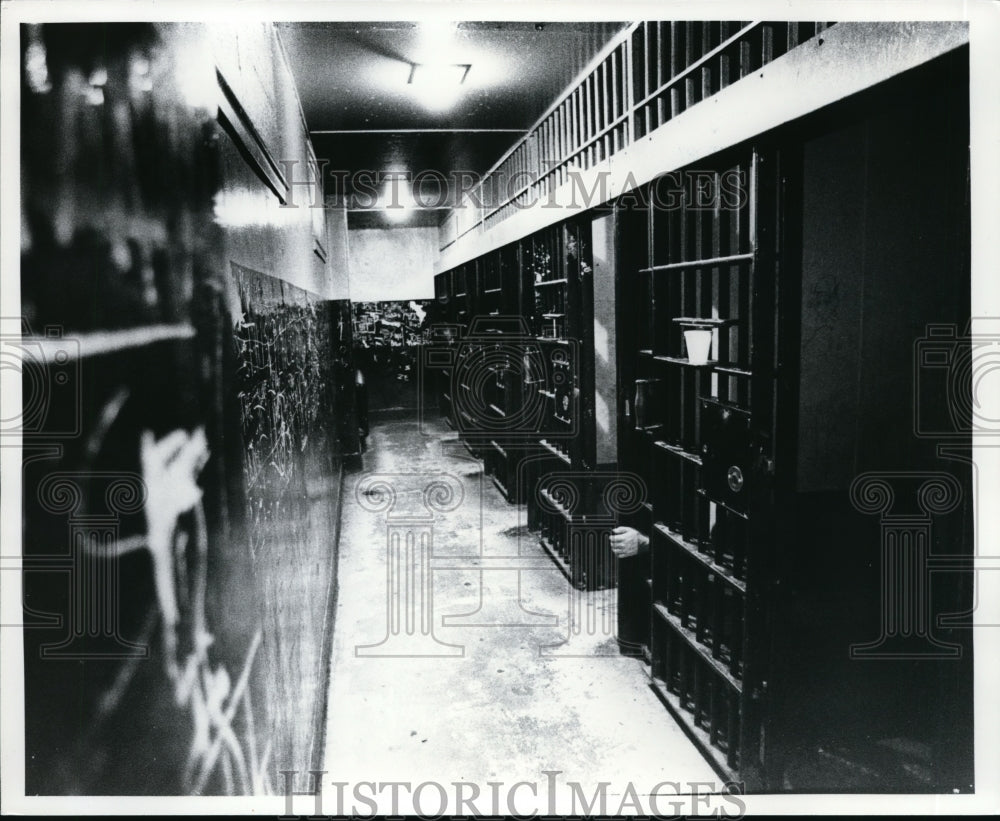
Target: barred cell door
pixel 710 391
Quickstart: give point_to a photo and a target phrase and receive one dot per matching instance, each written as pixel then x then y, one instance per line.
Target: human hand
pixel 626 542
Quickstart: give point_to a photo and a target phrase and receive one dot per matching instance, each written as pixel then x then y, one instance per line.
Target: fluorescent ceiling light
pixel 438 86
pixel 438 76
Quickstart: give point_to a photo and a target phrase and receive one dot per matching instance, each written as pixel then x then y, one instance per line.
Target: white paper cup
pixel 699 345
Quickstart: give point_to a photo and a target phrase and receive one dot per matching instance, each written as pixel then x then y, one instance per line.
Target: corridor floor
pixel 496 705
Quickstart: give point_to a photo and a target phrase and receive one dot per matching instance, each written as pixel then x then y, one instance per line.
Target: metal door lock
pixel 735 479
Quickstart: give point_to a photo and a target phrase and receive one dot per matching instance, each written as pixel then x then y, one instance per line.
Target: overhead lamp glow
pixel 438 86
pixel 397 213
pixel 397 200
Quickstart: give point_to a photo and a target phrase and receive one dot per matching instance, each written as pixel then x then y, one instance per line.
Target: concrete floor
pixel 495 706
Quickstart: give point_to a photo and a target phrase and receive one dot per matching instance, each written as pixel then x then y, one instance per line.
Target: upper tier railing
pixel 649 73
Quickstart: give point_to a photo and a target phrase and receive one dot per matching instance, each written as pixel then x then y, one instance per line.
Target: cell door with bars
pixel 714 250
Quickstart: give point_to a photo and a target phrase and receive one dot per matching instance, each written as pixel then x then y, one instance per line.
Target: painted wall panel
pixel 208 401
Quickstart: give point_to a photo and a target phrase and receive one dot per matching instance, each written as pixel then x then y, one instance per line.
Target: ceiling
pixel 353 79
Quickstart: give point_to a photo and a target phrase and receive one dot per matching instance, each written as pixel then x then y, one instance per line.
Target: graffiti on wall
pixel 391 324
pixel 386 338
pixel 291 368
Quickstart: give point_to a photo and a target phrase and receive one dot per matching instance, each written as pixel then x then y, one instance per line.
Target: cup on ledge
pixel 699 345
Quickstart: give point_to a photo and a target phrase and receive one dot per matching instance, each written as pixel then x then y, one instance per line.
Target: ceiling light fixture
pixel 423 74
pixel 438 86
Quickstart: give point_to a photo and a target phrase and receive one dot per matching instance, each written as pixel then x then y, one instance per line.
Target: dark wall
pixel 883 257
pixel 885 253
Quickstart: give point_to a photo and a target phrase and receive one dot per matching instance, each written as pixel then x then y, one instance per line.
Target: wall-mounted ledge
pixel 842 61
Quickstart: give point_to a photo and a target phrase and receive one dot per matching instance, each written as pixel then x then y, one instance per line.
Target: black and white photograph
pixel 444 410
